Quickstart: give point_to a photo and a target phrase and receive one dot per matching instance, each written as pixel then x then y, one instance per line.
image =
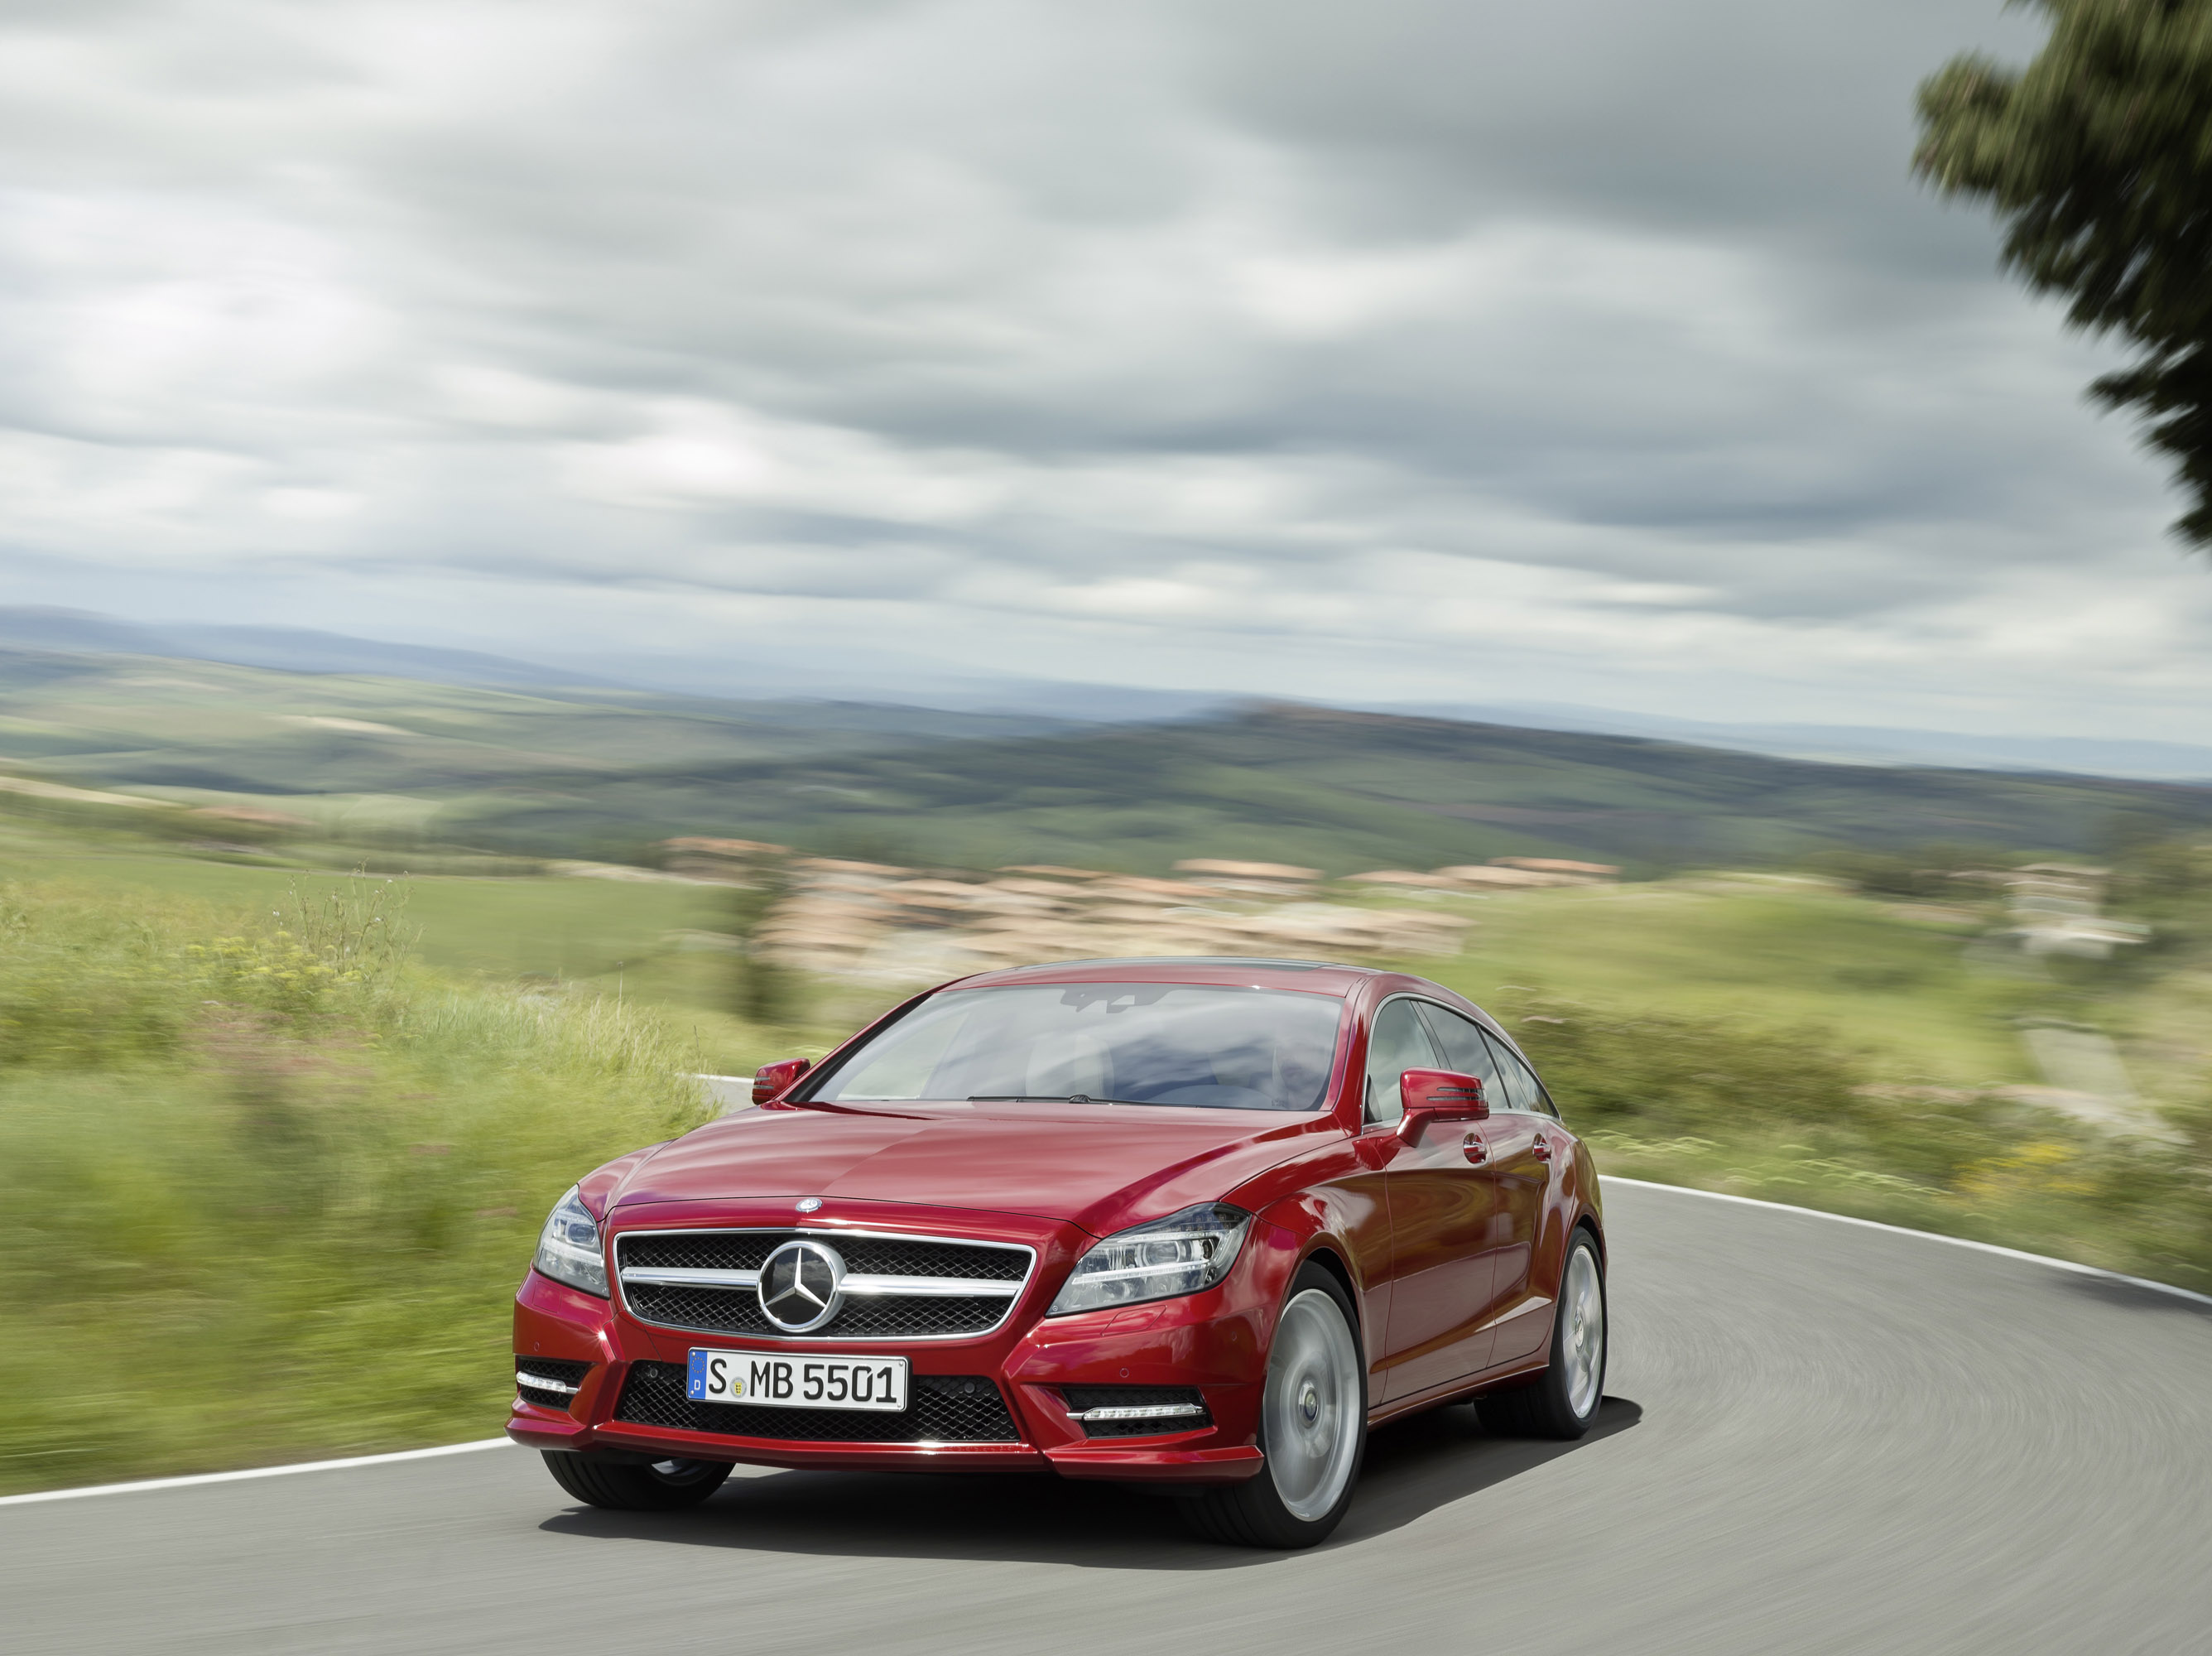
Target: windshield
pixel 1174 1044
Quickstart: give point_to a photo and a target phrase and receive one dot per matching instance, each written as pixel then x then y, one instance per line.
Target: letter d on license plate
pixel 767 1380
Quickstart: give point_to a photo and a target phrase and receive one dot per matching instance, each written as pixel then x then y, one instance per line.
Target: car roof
pixel 1311 977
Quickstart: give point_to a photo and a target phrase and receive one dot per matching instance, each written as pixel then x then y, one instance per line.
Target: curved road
pixel 1819 1437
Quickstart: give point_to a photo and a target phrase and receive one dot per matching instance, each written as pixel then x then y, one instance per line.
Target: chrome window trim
pixel 941 1287
pixel 1375 1017
pixel 1499 1106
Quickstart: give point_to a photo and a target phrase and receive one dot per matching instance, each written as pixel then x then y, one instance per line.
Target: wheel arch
pixel 1588 1221
pixel 1323 1255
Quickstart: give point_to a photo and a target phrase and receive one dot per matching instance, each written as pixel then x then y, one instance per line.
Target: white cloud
pixel 1369 353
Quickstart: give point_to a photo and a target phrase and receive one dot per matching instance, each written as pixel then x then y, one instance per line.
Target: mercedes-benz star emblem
pixel 807 1204
pixel 801 1286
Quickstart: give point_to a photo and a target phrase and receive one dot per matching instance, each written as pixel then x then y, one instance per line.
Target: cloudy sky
pixel 1596 352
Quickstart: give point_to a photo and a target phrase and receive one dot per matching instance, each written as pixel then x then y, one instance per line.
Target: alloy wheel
pixel 1312 1406
pixel 1583 1347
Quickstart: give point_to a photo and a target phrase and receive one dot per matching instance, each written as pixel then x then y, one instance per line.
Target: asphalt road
pixel 1818 1438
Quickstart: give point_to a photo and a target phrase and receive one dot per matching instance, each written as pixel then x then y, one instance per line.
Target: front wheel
pixel 1563 1400
pixel 632 1487
pixel 1313 1428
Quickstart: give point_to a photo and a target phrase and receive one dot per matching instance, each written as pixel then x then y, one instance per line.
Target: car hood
pixel 1095 1165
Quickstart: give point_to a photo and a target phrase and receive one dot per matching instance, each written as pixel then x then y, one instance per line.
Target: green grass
pixel 647 944
pixel 269 1189
pixel 271 1185
pixel 1785 1114
pixel 1804 954
pixel 1805 1044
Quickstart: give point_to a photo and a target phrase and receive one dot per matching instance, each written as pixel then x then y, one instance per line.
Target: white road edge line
pixel 1608 1178
pixel 254 1472
pixel 1925 1236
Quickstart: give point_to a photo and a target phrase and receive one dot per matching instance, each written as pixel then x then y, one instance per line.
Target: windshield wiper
pixel 1045 1097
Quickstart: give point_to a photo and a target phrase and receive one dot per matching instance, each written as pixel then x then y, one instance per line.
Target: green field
pixel 1803 955
pixel 271 1186
pixel 628 941
pixel 313 1193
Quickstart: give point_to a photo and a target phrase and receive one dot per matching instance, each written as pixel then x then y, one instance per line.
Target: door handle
pixel 1543 1150
pixel 1477 1151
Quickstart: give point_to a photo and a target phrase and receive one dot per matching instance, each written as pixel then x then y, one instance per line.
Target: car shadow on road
pixel 1413 1468
pixel 2138 1296
pixel 1444 1455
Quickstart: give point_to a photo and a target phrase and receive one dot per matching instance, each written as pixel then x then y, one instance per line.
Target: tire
pixel 634 1487
pixel 1562 1400
pixel 1313 1428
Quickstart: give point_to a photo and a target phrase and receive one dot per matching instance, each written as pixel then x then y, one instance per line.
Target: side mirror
pixel 772 1081
pixel 1439 1095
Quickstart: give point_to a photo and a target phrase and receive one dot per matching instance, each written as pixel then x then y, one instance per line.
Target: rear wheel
pixel 1563 1399
pixel 1313 1428
pixel 634 1487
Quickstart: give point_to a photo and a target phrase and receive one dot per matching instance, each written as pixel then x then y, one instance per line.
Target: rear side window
pixel 1461 1042
pixel 1397 1043
pixel 1522 1089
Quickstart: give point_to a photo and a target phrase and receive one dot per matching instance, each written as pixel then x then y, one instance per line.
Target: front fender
pixel 1317 1222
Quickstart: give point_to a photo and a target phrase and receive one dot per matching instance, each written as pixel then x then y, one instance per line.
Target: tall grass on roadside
pixel 268 1188
pixel 1790 1114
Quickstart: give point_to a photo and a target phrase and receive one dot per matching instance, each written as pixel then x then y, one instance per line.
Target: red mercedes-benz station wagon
pixel 1195 1224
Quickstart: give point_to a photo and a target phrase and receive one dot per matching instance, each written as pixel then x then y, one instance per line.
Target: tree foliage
pixel 2097 157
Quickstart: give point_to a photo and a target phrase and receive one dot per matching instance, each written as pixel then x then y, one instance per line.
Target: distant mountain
pixel 282 649
pixel 757 675
pixel 75 631
pixel 1329 788
pixel 910 682
pixel 168 721
pixel 2078 756
pixel 577 770
pixel 297 649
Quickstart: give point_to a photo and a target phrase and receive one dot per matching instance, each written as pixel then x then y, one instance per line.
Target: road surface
pixel 1819 1437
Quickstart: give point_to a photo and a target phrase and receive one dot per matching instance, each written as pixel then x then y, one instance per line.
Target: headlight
pixel 568 1249
pixel 1180 1254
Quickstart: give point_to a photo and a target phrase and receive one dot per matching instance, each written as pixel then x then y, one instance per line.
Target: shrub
pixel 270 1188
pixel 1788 1113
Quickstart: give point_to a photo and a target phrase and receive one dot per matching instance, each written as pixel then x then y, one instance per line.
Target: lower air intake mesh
pixel 940 1409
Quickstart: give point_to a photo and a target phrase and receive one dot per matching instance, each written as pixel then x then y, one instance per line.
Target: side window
pixel 1397 1043
pixel 1520 1085
pixel 1461 1042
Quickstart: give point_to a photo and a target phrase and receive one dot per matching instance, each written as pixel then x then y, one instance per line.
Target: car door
pixel 1440 1213
pixel 1522 1159
pixel 1504 1144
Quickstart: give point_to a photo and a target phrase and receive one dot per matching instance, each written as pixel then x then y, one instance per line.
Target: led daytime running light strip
pixel 1142 1270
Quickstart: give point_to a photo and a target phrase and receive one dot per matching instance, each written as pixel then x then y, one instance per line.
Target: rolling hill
pixel 592 770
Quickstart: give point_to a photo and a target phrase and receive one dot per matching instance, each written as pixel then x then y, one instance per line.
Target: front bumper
pixel 1214 1342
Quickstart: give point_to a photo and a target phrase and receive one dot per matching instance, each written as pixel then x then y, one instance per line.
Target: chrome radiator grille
pixel 892 1287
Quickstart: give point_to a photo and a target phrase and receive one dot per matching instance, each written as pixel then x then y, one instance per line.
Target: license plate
pixel 767 1380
